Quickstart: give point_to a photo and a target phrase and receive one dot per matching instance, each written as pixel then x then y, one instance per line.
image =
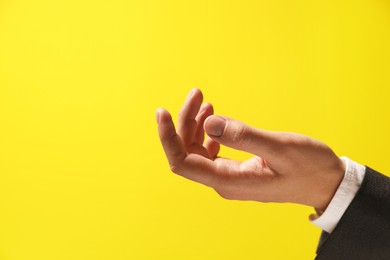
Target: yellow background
pixel 82 173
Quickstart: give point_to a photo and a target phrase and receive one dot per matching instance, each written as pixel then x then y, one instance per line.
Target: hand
pixel 286 167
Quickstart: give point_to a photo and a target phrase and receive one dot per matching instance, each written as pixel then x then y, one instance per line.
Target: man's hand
pixel 286 167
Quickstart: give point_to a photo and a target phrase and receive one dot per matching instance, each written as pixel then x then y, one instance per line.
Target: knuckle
pixel 292 139
pixel 224 188
pixel 240 136
pixel 175 168
pixel 227 195
pixel 176 155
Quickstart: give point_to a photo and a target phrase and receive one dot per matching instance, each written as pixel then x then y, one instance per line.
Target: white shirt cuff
pixel 353 178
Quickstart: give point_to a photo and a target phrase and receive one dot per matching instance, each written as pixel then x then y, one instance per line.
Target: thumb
pixel 240 136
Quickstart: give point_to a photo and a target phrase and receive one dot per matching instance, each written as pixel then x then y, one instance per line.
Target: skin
pixel 285 167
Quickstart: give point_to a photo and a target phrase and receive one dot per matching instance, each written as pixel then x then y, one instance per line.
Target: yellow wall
pixel 82 173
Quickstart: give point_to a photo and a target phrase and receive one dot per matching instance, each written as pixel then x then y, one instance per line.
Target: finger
pixel 238 135
pixel 198 149
pixel 171 142
pixel 212 147
pixel 187 124
pixel 205 111
pixel 199 169
pixel 190 166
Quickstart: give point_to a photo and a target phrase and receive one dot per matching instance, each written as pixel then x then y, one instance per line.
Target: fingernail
pixel 157 116
pixel 215 126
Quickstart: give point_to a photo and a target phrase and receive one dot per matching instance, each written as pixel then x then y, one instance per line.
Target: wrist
pixel 329 186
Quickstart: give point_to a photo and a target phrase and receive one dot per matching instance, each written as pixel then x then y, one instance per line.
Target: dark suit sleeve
pixel 363 232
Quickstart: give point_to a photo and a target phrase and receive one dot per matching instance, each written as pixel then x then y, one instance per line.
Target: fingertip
pixel 206 109
pixel 160 109
pixel 160 112
pixel 162 115
pixel 212 147
pixel 195 93
pixel 209 107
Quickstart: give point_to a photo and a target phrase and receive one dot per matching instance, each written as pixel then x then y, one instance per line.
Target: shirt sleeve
pixel 349 186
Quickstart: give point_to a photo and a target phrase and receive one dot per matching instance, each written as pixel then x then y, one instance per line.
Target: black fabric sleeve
pixel 363 232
